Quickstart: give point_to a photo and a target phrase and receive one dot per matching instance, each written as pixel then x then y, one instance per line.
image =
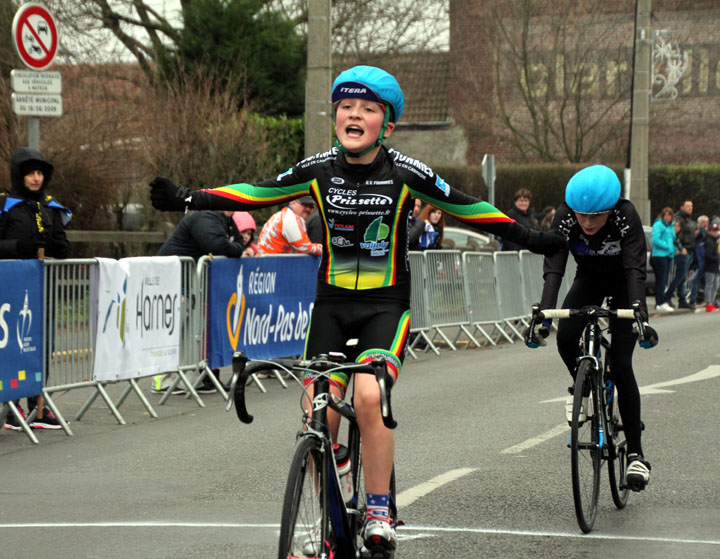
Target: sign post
pixel 36 40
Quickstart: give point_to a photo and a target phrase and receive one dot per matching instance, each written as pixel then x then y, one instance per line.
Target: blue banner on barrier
pixel 21 329
pixel 260 306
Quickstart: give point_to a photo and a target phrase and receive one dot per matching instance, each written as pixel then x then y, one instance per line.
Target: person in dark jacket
pixel 200 233
pixel 204 232
pixel 711 267
pixel 30 220
pixel 683 259
pixel 520 212
pixel 314 227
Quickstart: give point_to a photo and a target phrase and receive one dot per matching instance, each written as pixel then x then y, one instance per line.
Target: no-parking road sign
pixel 35 35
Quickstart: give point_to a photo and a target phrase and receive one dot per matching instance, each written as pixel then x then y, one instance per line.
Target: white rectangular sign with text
pixel 138 326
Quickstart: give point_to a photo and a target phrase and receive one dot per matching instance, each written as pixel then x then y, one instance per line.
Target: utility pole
pixel 638 191
pixel 318 110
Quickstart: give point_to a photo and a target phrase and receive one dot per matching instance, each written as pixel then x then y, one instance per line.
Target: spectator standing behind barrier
pixel 686 240
pixel 712 267
pixel 314 227
pixel 661 257
pixel 246 225
pixel 697 278
pixel 520 212
pixel 204 232
pixel 546 222
pixel 540 216
pixel 30 219
pixel 427 233
pixel 200 233
pixel 285 231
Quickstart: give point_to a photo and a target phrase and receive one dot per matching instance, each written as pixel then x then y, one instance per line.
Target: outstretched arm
pixel 167 196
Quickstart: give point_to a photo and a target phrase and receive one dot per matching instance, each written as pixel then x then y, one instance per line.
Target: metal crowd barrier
pixel 70 335
pixel 457 298
pixel 483 298
pixel 481 292
pixel 446 296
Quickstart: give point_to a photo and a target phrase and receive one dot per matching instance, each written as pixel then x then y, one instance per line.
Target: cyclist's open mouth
pixel 354 131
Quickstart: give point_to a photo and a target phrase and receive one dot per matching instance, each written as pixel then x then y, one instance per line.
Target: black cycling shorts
pixel 381 329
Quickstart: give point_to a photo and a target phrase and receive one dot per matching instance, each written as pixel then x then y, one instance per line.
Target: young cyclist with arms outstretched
pixel 606 238
pixel 365 195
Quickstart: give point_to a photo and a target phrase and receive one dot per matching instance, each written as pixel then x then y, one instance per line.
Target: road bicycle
pixel 600 437
pixel 324 505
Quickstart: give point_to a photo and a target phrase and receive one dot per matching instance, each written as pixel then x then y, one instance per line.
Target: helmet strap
pixel 380 140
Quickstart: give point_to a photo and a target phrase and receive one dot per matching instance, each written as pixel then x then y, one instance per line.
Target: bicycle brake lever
pixel 383 377
pixel 237 390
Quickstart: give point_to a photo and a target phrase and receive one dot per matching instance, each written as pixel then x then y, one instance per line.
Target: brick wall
pixel 683 131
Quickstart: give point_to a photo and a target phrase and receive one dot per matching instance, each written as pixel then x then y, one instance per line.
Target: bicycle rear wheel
pixel 585 452
pixel 617 455
pixel 305 525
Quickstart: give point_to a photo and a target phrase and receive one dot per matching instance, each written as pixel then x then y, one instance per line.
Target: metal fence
pixel 472 298
pixel 458 299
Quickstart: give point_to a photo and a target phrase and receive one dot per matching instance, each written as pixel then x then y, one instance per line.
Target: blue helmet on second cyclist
pixel 593 190
pixel 373 84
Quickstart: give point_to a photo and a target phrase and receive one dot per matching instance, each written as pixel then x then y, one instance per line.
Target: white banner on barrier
pixel 138 326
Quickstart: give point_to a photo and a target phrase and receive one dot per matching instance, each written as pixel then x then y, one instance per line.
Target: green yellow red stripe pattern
pixel 479 212
pixel 391 271
pixel 252 195
pixel 393 356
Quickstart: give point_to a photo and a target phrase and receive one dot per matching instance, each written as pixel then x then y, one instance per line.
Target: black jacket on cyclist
pixel 614 257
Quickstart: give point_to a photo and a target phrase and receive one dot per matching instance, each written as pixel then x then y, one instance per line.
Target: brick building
pixel 480 88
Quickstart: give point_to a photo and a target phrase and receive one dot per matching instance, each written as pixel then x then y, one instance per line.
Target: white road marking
pixel 411 495
pixel 547 435
pixel 423 530
pixel 542 533
pixel 708 373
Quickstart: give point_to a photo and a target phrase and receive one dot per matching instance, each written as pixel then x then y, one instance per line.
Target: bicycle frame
pixel 593 339
pixel 316 426
pixel 594 392
pixel 343 520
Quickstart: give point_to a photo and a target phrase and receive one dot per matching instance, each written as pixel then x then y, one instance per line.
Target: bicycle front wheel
pixel 585 451
pixel 617 455
pixel 305 525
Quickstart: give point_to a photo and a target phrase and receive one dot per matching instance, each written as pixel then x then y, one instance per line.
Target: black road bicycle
pixel 324 506
pixel 600 437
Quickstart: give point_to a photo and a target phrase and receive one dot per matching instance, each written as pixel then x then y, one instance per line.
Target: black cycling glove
pixel 539 333
pixel 650 337
pixel 540 242
pixel 168 197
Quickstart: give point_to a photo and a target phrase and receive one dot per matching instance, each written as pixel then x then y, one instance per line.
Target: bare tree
pixel 561 77
pixel 359 26
pixel 109 30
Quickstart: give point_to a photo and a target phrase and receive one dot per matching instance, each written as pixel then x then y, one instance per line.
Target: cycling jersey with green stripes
pixel 366 212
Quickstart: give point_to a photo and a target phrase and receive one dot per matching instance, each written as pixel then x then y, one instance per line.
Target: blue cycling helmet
pixel 593 190
pixel 374 84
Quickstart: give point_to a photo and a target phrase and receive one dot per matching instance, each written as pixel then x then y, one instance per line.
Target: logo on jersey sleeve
pixel 442 185
pixel 374 238
pixel 285 174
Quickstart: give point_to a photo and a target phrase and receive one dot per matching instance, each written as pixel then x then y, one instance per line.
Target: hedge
pixel 669 185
